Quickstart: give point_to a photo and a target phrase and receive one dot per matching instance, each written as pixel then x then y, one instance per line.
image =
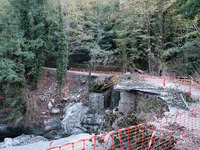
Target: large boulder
pixel 92 122
pixel 127 102
pixel 74 114
pixel 52 127
pixel 96 102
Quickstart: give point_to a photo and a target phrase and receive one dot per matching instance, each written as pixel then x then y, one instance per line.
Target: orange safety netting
pixel 185 80
pixel 179 131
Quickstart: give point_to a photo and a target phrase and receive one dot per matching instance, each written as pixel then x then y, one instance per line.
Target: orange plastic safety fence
pixel 179 131
pixel 185 80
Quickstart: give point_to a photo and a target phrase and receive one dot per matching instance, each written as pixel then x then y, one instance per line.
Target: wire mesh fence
pixel 180 131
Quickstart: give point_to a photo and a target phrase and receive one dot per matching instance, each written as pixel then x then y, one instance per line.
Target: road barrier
pixel 185 80
pixel 179 131
pixel 113 81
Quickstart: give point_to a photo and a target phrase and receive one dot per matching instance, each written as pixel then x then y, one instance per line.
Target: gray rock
pixel 50 105
pixel 52 127
pixel 65 99
pixel 93 119
pixel 52 134
pixel 107 111
pixel 43 113
pixel 127 102
pixel 77 131
pixel 83 81
pixel 43 99
pixel 96 102
pixel 74 115
pixel 53 100
pixel 115 98
pixel 53 124
pixel 7 142
pixel 72 98
pixel 55 110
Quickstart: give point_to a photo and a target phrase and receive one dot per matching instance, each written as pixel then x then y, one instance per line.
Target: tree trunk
pixel 162 30
pixel 149 45
pixel 148 27
pixel 67 26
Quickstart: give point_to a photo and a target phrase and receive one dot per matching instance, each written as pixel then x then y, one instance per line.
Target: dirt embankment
pixel 41 101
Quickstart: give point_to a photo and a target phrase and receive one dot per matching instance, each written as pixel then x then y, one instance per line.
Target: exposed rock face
pixel 96 102
pixel 74 115
pixel 127 101
pixel 115 97
pixel 52 127
pixel 143 105
pixel 93 121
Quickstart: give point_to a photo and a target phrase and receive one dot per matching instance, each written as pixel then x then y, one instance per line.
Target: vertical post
pixel 191 82
pixel 120 140
pixel 164 81
pixel 83 144
pixel 94 143
pixel 112 147
pixel 128 137
pixel 104 141
pixel 153 134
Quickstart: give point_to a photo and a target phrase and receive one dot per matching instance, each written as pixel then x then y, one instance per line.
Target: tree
pixel 26 29
pixel 129 34
pixel 189 8
pixel 62 46
pixel 12 72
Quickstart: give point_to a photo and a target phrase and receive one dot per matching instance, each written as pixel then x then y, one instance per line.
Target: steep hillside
pixel 45 102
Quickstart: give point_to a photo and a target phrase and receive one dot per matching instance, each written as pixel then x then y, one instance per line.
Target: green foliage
pixel 27 39
pixel 190 69
pixel 13 107
pixel 62 58
pixel 95 87
pixel 188 8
